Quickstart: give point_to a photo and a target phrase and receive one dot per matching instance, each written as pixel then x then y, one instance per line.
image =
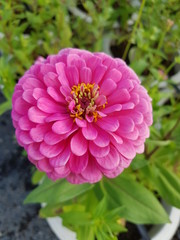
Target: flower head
pixel 81 115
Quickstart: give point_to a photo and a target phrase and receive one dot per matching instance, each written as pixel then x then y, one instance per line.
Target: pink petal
pixel 143 130
pixel 114 74
pixel 124 162
pixel 49 106
pixel 27 96
pixel 32 83
pixel 58 173
pixel 81 123
pixel 60 68
pixel 62 127
pixel 110 161
pixel 15 116
pixel 62 172
pixel 136 116
pixel 25 138
pixel 98 151
pixel 148 118
pixel 25 124
pixel 127 84
pixel 75 60
pixel 16 94
pixel 78 164
pixel 102 139
pixel 108 124
pixel 43 165
pixel 116 137
pixel 135 98
pixel 126 124
pixel 39 132
pixel 46 68
pixel 127 106
pixel 119 96
pixel 61 159
pixel 112 173
pixel 93 62
pixel 92 174
pixel 72 75
pixel 140 148
pixel 75 178
pixel 108 86
pixel 129 135
pixel 51 151
pixel 89 132
pixel 65 90
pixel 36 115
pixel 113 108
pixel 57 117
pixel 126 149
pixel 99 73
pixel 52 138
pixel 39 92
pixel 56 95
pixel 33 151
pixel 143 106
pixel 51 80
pixel 79 144
pixel 20 106
pixel 101 100
pixel 85 75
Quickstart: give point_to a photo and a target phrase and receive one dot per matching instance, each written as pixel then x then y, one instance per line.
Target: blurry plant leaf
pixel 161 143
pixel 50 210
pixel 177 59
pixel 87 231
pixel 76 218
pixel 5 106
pixel 139 66
pixel 56 192
pixel 124 191
pixel 37 176
pixel 166 183
pixel 138 162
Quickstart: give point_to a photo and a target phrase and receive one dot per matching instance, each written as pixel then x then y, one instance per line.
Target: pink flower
pixel 81 115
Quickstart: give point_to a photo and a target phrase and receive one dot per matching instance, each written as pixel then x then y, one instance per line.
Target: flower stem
pixel 170 67
pixel 166 137
pixel 134 30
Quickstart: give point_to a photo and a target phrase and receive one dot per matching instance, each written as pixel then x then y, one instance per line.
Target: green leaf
pixel 5 106
pixel 101 208
pixel 177 59
pixel 56 192
pixel 160 143
pixel 37 176
pixel 76 218
pixel 87 231
pixel 139 162
pixel 168 186
pixel 141 206
pixel 139 66
pixel 50 210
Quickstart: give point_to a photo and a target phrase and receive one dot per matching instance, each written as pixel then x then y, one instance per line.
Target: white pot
pixel 158 232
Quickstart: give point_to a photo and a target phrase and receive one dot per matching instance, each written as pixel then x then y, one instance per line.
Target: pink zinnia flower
pixel 81 115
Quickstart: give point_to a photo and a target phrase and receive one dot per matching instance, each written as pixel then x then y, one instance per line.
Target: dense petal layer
pixel 81 115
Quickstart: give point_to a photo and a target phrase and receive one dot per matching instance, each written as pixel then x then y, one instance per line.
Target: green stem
pixel 166 137
pixel 161 40
pixel 134 30
pixel 170 67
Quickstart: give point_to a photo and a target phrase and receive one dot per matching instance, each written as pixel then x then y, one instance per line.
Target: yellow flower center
pixel 86 101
